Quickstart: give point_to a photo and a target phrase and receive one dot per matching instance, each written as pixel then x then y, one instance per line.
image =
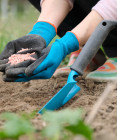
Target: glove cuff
pixel 76 37
pixel 70 42
pixel 46 30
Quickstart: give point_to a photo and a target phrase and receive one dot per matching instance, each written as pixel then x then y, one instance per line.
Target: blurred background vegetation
pixel 17 18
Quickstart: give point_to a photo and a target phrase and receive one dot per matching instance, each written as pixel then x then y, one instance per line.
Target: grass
pixel 15 27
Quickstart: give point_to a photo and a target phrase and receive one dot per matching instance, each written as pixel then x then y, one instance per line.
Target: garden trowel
pixel 84 58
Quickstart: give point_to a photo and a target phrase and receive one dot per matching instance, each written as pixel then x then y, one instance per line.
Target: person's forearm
pixel 84 30
pixel 54 11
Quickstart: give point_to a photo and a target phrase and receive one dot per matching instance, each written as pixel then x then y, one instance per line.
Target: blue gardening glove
pixel 40 36
pixel 44 29
pixel 51 57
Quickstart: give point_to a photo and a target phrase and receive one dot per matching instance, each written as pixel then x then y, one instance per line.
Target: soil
pixel 30 96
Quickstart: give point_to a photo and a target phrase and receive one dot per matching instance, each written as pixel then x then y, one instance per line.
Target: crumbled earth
pixel 30 96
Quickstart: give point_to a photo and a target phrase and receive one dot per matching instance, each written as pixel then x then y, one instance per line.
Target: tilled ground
pixel 26 97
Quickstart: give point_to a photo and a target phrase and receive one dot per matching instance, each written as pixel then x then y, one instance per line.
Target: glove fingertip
pixel 3 61
pixel 2 68
pixel 5 79
pixel 29 71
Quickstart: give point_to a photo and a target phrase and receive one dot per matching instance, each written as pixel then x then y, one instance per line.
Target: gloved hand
pixel 40 36
pixel 51 57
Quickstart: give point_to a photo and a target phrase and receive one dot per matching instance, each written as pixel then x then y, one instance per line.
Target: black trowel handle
pixel 92 46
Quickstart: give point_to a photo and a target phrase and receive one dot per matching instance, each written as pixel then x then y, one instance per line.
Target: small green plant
pixel 65 124
pixel 61 125
pixel 15 126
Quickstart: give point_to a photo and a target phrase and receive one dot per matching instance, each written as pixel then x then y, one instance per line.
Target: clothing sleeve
pixel 71 2
pixel 107 9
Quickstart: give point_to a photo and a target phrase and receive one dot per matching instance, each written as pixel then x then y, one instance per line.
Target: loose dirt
pixel 27 97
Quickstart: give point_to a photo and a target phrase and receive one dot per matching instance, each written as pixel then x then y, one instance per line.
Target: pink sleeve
pixel 71 2
pixel 107 9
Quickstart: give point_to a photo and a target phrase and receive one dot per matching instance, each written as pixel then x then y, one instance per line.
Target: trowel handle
pixel 92 46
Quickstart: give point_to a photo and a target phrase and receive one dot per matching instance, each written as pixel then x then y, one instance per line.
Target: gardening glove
pixel 51 57
pixel 40 36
